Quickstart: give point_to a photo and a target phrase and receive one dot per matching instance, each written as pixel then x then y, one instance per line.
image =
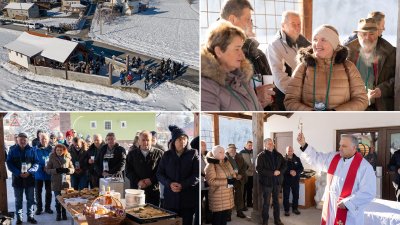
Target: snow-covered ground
pixel 55 12
pixel 171 29
pixel 23 90
pixel 54 21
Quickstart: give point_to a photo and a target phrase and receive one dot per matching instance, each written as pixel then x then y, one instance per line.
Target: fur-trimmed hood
pixel 211 68
pixel 211 159
pixel 306 56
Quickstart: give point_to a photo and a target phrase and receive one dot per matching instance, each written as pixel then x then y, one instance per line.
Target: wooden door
pixel 282 140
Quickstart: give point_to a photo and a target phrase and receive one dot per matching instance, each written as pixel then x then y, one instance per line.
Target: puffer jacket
pixel 386 71
pixel 222 91
pixel 220 196
pixel 59 162
pixel 347 90
pixel 42 155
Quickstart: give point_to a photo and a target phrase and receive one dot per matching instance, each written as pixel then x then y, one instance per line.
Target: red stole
pixel 341 214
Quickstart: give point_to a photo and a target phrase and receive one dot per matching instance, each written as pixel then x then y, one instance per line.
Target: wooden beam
pixel 216 128
pixel 196 129
pixel 306 14
pixel 3 170
pixel 258 146
pixel 236 115
pixel 397 73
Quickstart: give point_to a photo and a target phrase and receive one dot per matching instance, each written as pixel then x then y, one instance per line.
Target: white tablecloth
pixel 383 212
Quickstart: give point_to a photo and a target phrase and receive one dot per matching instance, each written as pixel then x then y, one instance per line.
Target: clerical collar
pixel 344 159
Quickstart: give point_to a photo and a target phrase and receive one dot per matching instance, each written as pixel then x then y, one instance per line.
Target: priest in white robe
pixel 363 190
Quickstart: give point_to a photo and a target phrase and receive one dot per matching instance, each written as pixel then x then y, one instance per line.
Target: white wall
pixel 320 128
pixel 20 59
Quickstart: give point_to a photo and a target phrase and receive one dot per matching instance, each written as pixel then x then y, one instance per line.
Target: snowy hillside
pixel 171 29
pixel 23 90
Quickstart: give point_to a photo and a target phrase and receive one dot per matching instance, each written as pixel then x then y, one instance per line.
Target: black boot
pixel 64 214
pixel 58 218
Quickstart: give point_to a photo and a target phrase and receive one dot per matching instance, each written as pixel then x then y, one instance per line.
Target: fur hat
pixel 176 132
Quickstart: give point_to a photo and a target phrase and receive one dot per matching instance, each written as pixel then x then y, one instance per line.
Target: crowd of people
pixel 225 173
pixel 153 75
pixel 169 175
pixel 320 74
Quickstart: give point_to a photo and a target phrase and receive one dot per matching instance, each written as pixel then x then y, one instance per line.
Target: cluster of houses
pixel 24 11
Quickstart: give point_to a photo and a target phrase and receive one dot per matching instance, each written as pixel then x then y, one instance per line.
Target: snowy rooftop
pixel 78 6
pixel 24 6
pixel 52 48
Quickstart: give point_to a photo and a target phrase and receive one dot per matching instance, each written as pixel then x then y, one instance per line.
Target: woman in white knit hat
pixel 324 79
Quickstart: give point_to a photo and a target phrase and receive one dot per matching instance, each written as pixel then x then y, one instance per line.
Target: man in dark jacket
pixel 91 158
pixel 240 167
pixel 78 151
pixel 270 167
pixel 22 164
pixel 394 166
pixel 178 171
pixel 375 58
pixel 291 181
pixel 42 154
pixel 141 168
pixel 111 158
pixel 238 12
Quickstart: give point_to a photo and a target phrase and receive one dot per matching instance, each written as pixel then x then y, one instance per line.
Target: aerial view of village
pixel 95 55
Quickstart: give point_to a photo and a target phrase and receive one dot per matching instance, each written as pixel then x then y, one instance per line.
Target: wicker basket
pixel 114 220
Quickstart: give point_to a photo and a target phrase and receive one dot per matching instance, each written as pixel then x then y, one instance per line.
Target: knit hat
pixel 330 35
pixel 176 132
pixel 69 133
pixel 366 25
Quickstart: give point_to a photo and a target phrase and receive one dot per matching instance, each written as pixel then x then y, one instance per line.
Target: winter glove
pixel 65 170
pixel 231 181
pixel 59 170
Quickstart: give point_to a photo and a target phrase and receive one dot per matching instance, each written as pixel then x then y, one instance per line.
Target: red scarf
pixel 341 214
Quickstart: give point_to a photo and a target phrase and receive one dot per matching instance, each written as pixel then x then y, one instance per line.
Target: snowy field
pixel 171 29
pixel 23 90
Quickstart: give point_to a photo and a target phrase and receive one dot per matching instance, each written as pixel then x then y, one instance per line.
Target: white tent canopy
pixel 49 47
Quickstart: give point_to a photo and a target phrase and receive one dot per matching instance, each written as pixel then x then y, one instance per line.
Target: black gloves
pixel 62 170
pixel 231 181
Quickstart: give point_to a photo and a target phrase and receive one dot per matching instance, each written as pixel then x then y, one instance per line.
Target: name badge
pixel 105 166
pixel 24 168
pixel 319 106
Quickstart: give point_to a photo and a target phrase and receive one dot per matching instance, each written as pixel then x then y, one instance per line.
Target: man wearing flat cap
pixel 23 165
pixel 375 58
pixel 240 168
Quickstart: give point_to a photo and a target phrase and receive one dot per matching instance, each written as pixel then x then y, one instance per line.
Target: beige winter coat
pixel 347 90
pixel 220 196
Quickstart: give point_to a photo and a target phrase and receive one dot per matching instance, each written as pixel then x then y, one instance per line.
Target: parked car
pixel 34 25
pixel 58 30
pixel 65 37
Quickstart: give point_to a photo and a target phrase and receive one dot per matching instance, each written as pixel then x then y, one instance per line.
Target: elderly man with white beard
pixel 375 58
